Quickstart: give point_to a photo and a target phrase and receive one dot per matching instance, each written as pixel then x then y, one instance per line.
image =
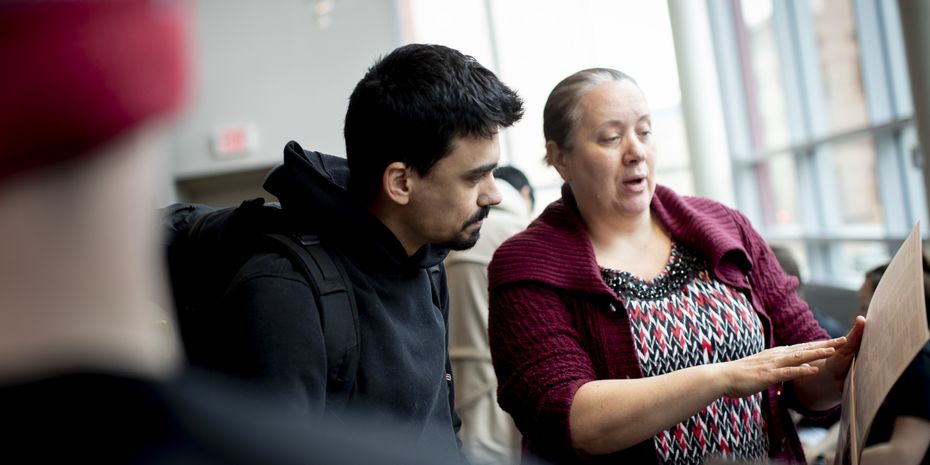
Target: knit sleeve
pixel 539 361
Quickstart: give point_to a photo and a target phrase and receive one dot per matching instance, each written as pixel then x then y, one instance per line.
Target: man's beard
pixel 468 240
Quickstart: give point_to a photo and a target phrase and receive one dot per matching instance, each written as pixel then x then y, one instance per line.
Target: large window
pixel 820 128
pixel 533 44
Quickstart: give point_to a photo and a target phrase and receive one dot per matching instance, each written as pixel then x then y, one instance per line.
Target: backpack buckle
pixel 308 239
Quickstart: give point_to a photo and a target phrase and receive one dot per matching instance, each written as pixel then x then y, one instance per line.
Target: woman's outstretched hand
pixel 749 375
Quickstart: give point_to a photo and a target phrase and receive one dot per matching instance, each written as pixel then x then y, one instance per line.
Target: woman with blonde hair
pixel 629 324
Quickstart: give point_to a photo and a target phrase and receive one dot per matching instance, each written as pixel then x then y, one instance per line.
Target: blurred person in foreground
pixel 87 373
pixel 488 434
pixel 631 324
pixel 900 432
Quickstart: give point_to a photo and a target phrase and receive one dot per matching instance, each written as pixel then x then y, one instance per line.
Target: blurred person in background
pixel 87 371
pixel 790 266
pixel 488 434
pixel 631 324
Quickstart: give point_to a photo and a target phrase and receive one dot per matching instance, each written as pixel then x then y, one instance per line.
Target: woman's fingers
pixel 803 356
pixel 778 364
pixel 793 372
pixel 785 363
pixel 835 343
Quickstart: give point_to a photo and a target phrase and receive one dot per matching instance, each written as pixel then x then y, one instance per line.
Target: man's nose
pixel 491 197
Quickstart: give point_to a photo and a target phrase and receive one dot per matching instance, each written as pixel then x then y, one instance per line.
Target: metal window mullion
pixel 803 43
pixel 892 189
pixel 893 39
pixel 878 86
pixel 907 153
pixel 808 193
pixel 809 201
pixel 887 127
pixel 748 198
pixel 818 259
pixel 821 163
pixel 723 21
pixel 829 205
pixel 905 142
pixel 789 59
pixel 872 63
pixel 508 155
pixel 817 162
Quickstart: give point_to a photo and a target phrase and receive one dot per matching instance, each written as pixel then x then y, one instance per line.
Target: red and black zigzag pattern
pixel 705 321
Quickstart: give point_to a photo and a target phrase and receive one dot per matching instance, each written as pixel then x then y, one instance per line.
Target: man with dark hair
pixel 414 105
pixel 422 142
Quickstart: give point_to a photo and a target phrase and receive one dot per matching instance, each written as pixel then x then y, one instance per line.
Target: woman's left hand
pixel 825 389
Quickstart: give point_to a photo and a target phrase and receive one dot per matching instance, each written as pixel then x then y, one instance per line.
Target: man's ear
pixel 555 155
pixel 396 183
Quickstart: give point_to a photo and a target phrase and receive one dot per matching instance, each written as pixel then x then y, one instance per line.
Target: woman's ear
pixel 556 157
pixel 396 183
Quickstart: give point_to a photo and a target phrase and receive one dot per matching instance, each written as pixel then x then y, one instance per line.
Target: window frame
pixel 890 127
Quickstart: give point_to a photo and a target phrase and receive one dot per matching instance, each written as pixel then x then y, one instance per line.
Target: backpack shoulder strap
pixel 435 278
pixel 435 275
pixel 338 312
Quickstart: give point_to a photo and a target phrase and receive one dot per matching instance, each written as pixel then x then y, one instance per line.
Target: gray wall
pixel 268 64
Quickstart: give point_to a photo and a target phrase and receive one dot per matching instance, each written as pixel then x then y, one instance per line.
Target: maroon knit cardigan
pixel 555 325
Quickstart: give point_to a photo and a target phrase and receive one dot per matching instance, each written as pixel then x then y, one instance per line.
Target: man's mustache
pixel 478 216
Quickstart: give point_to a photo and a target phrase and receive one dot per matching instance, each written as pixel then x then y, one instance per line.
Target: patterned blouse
pixel 683 318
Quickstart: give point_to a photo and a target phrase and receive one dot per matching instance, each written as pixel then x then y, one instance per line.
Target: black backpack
pixel 207 246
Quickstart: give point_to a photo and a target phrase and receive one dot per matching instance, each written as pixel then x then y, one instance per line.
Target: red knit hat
pixel 76 73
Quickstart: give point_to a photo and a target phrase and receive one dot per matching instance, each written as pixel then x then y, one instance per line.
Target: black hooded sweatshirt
pixel 272 319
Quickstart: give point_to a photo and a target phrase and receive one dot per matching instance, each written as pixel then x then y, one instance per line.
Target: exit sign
pixel 234 141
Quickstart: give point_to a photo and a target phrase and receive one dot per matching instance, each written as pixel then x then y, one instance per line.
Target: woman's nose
pixel 634 151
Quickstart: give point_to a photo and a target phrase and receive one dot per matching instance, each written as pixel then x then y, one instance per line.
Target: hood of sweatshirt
pixel 312 189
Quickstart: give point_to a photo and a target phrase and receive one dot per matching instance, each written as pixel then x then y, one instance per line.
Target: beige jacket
pixel 488 434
